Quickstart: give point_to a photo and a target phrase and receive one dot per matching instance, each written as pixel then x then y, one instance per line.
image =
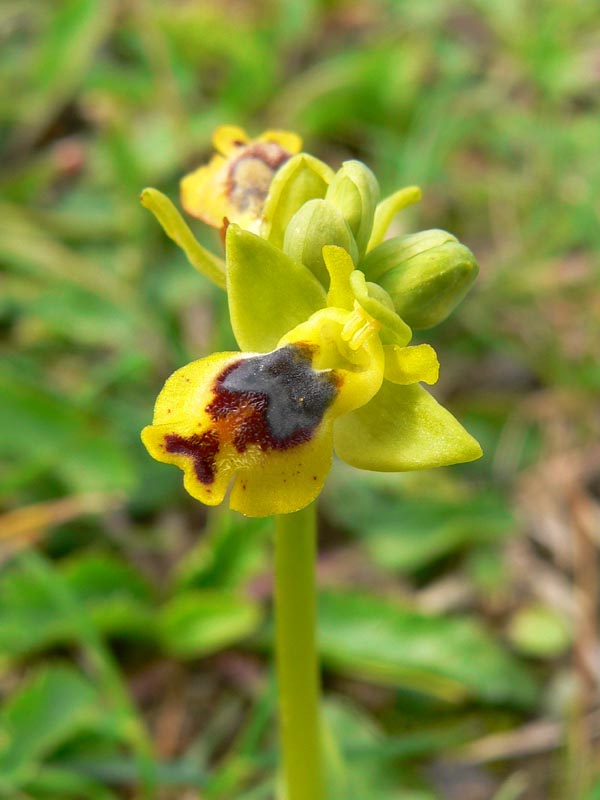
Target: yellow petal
pixel 182 431
pixel 172 222
pixel 288 140
pixel 280 482
pixel 406 365
pixel 387 209
pixel 227 138
pixel 204 192
pixel 358 372
pixel 340 266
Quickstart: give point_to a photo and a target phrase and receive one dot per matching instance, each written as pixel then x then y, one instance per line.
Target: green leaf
pixel 196 623
pixel 594 792
pixel 114 595
pixel 29 618
pixel 60 437
pixel 406 528
pixel 48 709
pixel 301 179
pixel 83 317
pixel 361 761
pixel 68 47
pixel 268 292
pixel 118 599
pixel 233 549
pixel 55 782
pixel 402 428
pixel 449 657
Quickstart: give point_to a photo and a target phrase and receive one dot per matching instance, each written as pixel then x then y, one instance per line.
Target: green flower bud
pixel 315 225
pixel 301 179
pixel 426 274
pixel 355 191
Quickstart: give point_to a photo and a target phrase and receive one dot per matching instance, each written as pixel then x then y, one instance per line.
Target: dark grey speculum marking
pixel 288 396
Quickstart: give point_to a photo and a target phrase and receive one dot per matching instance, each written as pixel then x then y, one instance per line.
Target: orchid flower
pixel 323 308
pixel 318 305
pixel 318 371
pixel 234 184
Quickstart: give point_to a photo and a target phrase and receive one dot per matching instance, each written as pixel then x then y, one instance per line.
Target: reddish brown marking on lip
pixel 275 401
pixel 201 448
pixel 283 407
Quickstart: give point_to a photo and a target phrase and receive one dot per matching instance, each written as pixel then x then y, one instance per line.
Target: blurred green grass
pixel 436 586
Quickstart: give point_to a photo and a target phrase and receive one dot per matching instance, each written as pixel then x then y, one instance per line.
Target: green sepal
pixel 426 274
pixel 301 179
pixel 387 210
pixel 176 229
pixel 269 293
pixel 403 428
pixel 317 224
pixel 355 191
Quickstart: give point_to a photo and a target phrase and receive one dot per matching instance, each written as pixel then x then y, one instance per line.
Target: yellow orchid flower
pixel 269 421
pixel 322 307
pixel 265 419
pixel 234 185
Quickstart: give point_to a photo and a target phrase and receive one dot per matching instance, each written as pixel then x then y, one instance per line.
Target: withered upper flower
pixel 234 185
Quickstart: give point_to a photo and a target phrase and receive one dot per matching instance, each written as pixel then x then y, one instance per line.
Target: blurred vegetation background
pixel 458 608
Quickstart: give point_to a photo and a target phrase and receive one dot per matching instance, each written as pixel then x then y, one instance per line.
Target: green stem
pixel 296 649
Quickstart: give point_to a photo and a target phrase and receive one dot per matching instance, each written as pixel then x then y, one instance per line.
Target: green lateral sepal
pixel 403 428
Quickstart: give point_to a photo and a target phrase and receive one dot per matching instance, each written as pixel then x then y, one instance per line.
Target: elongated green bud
pixel 303 178
pixel 355 191
pixel 316 224
pixel 426 274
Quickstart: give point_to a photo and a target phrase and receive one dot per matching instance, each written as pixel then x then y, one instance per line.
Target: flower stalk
pixel 296 654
